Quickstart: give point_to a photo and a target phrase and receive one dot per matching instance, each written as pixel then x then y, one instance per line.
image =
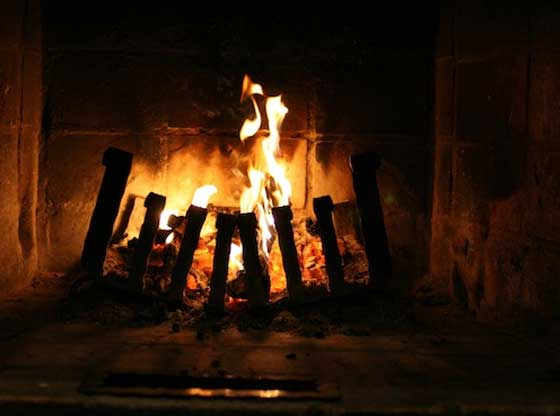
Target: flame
pixel 164 217
pixel 250 127
pixel 235 255
pixel 202 195
pixel 169 238
pixel 269 186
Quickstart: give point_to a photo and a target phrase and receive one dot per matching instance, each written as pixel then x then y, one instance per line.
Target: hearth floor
pixel 442 364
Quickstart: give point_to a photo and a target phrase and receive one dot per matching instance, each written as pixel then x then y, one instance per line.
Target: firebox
pixel 284 214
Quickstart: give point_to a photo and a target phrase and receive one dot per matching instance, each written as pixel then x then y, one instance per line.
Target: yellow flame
pixel 269 186
pixel 250 126
pixel 202 195
pixel 164 217
pixel 235 255
pixel 169 238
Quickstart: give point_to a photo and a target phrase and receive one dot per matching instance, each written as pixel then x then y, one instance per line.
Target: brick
pixel 442 179
pixel 389 95
pixel 10 85
pixel 491 28
pixel 544 98
pixel 473 171
pixel 444 110
pixel 491 98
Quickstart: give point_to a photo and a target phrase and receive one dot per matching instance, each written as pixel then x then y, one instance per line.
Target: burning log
pixel 118 164
pixel 282 219
pixel 154 204
pixel 364 167
pixel 256 279
pixel 195 218
pixel 225 224
pixel 323 207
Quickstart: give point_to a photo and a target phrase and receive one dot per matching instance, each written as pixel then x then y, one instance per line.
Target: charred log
pixel 118 164
pixel 364 176
pixel 323 207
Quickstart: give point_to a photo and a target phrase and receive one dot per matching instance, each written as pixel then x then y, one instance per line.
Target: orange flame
pixel 269 186
pixel 250 127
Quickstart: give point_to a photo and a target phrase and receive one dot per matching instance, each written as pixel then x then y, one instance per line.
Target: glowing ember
pixel 202 195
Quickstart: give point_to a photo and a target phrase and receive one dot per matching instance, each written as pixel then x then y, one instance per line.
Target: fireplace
pixel 231 214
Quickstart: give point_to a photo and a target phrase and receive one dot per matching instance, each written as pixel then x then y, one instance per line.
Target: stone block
pixel 444 110
pixel 440 249
pixel 389 95
pixel 402 180
pixel 11 20
pixel 491 28
pixel 403 174
pixel 11 258
pixel 28 177
pixel 443 182
pixel 173 166
pixel 105 92
pixel 473 172
pixel 545 25
pixel 73 173
pixel 32 89
pixel 506 275
pixel 521 277
pixel 467 282
pixel 491 98
pixel 33 36
pixel 222 161
pixel 109 90
pixel 445 34
pixel 544 97
pixel 10 84
pixel 295 86
pixel 543 194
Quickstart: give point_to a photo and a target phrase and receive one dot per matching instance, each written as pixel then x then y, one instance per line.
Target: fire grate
pixel 189 386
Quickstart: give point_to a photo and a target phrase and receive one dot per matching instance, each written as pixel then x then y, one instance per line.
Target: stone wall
pixel 496 210
pixel 20 132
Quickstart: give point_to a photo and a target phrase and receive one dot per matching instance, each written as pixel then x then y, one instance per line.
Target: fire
pixel 250 127
pixel 202 195
pixel 235 255
pixel 269 186
pixel 164 217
